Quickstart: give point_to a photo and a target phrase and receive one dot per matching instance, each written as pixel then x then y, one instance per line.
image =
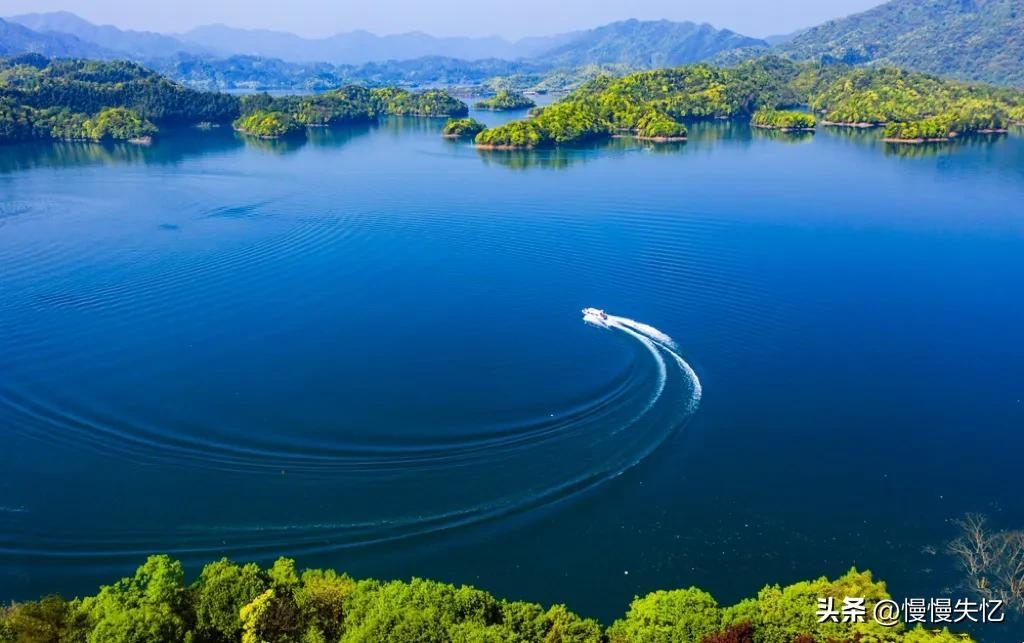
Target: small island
pixel 505 100
pixel 266 124
pixel 462 128
pixel 783 121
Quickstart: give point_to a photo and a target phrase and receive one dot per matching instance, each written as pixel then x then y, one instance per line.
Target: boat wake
pixel 388 491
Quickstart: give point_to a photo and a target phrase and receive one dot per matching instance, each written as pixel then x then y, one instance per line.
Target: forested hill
pixel 116 100
pixel 646 44
pixel 967 39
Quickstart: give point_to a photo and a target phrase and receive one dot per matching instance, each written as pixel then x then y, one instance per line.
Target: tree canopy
pixel 506 100
pixel 229 602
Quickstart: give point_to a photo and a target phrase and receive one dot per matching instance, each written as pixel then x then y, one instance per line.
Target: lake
pixel 366 350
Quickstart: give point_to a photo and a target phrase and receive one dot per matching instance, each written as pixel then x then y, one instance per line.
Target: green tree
pixel 222 590
pixel 678 616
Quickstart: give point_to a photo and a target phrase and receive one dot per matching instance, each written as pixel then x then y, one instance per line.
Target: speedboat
pixel 595 312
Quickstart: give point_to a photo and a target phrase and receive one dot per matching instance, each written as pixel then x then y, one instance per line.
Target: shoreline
pixel 784 129
pixel 489 146
pixel 857 125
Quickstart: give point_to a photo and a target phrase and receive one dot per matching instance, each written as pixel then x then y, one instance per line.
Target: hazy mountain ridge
pixel 630 42
pixel 967 39
pixel 138 44
pixel 647 44
pixel 17 39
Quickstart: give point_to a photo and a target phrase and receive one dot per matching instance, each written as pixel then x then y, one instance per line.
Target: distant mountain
pixel 968 39
pixel 254 72
pixel 646 44
pixel 135 44
pixel 356 47
pixel 629 43
pixel 17 39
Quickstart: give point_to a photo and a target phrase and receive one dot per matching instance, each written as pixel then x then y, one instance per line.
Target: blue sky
pixel 508 18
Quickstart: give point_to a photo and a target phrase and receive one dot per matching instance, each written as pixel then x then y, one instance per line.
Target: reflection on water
pixel 176 145
pixel 947 148
pixel 171 148
pixel 783 137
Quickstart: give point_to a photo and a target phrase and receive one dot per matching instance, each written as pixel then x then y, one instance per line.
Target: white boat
pixel 595 312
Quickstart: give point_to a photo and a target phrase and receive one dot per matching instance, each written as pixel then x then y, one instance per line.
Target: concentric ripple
pixel 375 489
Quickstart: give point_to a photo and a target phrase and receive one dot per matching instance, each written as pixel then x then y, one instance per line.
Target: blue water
pixel 365 350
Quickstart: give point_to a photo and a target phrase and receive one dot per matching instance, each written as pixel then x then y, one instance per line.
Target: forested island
pixel 462 128
pixel 506 100
pixel 103 100
pixel 904 101
pixel 783 120
pixel 229 602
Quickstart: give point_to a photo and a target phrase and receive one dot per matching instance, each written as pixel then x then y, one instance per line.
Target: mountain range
pixel 631 42
pixel 967 39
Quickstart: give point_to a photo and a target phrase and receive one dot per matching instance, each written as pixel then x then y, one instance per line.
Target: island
pixel 227 601
pixel 782 120
pixel 266 124
pixel 656 104
pixel 462 128
pixel 506 100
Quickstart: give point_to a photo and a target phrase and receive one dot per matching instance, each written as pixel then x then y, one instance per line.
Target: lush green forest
pixel 401 102
pixel 782 119
pixel 231 602
pixel 506 100
pixel 843 94
pixel 78 100
pixel 462 128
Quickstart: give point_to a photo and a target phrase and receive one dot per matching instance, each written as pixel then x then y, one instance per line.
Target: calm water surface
pixel 365 350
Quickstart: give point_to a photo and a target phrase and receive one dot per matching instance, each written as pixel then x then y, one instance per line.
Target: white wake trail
pixel 646 333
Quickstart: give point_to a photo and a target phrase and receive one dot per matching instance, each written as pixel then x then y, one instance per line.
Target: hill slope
pixel 137 44
pixel 646 44
pixel 967 39
pixel 17 39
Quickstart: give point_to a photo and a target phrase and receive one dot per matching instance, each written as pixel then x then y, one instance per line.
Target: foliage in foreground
pixel 230 602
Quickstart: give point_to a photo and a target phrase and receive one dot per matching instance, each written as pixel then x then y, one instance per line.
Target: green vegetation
pixel 266 124
pixel 90 100
pixel 506 100
pixel 230 602
pixel 462 128
pixel 400 102
pixel 969 40
pixel 879 96
pixel 657 101
pixel 656 126
pixel 93 100
pixel 782 120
